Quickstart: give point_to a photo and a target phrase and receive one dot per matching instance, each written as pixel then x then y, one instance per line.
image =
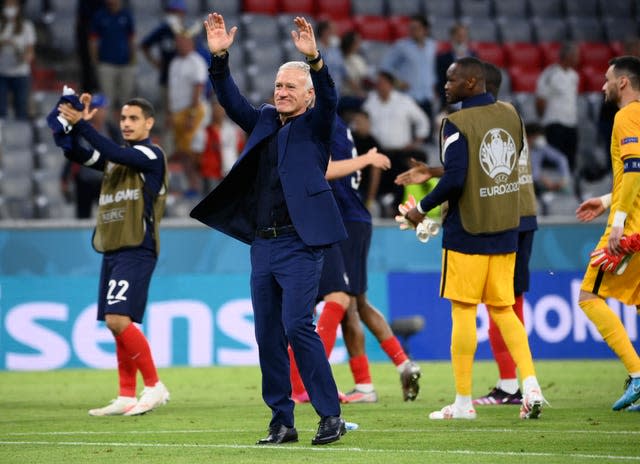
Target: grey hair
pixel 302 66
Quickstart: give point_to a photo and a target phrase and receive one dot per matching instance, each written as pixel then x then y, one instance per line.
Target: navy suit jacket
pixel 303 155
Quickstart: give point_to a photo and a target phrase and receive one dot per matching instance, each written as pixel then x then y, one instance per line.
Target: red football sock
pixel 360 369
pixel 327 325
pixel 137 348
pixel 297 387
pixel 127 371
pixel 506 364
pixel 394 350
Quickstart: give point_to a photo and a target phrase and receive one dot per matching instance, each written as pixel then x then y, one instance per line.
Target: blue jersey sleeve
pixel 456 162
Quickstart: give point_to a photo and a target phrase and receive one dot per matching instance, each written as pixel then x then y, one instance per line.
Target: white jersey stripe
pixel 452 138
pixel 95 156
pixel 147 151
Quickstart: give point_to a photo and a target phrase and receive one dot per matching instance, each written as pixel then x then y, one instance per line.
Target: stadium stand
pixel 519 36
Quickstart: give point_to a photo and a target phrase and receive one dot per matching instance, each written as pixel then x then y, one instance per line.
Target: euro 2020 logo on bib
pixel 498 155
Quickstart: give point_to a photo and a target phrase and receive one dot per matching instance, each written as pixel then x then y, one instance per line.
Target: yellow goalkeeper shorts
pixel 477 279
pixel 624 288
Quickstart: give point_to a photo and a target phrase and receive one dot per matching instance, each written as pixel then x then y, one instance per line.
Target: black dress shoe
pixel 279 434
pixel 331 428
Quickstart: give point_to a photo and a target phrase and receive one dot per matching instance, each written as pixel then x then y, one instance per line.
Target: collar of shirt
pixel 478 100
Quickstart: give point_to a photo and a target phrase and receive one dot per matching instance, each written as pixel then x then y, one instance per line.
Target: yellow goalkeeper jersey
pixel 625 142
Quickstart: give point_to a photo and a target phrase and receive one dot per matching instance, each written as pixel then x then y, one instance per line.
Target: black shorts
pixel 523 255
pixel 124 283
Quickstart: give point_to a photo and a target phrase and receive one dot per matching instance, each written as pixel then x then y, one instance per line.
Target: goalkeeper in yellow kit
pixel 614 271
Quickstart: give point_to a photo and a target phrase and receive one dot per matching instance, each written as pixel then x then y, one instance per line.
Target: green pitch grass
pixel 216 415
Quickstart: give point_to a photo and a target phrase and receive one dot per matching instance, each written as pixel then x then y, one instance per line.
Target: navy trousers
pixel 284 284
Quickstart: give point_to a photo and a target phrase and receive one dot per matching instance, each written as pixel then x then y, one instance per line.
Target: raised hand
pixel 218 39
pixel 72 115
pixel 590 209
pixel 417 174
pixel 304 38
pixel 377 159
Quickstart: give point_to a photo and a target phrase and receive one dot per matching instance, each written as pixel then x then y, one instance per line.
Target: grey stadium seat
pixel 550 29
pixel 475 8
pixel 515 30
pixel 405 7
pixel 587 29
pixel 546 8
pixel 368 7
pixel 510 8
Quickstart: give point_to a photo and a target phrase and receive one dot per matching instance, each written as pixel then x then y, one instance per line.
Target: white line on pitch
pixel 289 448
pixel 360 430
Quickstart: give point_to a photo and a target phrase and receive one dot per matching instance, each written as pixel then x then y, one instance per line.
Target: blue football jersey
pixel 345 189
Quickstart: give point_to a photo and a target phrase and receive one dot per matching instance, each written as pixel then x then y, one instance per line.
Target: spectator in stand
pixel 542 154
pixel 413 61
pixel 85 11
pixel 83 183
pixel 557 102
pixel 159 46
pixel 460 47
pixel 187 79
pixel 112 50
pixel 402 128
pixel 357 71
pixel 329 47
pixel 224 142
pixel 17 39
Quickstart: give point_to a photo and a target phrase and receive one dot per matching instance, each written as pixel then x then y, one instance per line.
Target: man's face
pixel 133 125
pixel 455 89
pixel 417 31
pixel 291 95
pixel 610 87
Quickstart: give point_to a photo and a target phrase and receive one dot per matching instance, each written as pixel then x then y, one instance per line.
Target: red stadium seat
pixel 490 51
pixel 550 52
pixel 591 79
pixel 399 26
pixel 617 47
pixel 524 55
pixel 304 7
pixel 334 8
pixel 343 25
pixel 595 54
pixel 523 79
pixel 269 7
pixel 373 28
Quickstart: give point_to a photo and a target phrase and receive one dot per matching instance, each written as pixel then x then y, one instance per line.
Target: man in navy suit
pixel 277 200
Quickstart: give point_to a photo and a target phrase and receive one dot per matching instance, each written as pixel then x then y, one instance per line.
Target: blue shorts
pixel 334 277
pixel 355 251
pixel 521 274
pixel 124 283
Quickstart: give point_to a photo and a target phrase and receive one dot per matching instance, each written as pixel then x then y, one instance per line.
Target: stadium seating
pixel 227 8
pixel 581 7
pixel 524 55
pixel 335 9
pixel 475 8
pixel 595 55
pixel 549 29
pixel 302 7
pixel 483 29
pixel 546 8
pixel 620 28
pixel 405 7
pixel 510 8
pixel 515 30
pixel 440 9
pixel 269 7
pixel 616 8
pixel 591 79
pixel 368 7
pixel 491 52
pixel 550 52
pixel 373 28
pixel 585 28
pixel 523 79
pixel 399 26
